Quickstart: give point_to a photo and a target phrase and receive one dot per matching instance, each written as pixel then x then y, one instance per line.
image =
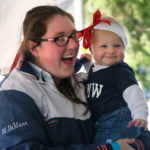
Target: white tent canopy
pixel 12 14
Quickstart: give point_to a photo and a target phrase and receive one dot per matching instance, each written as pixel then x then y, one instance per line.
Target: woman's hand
pixel 124 144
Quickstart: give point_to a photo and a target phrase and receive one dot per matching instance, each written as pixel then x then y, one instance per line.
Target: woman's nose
pixel 72 44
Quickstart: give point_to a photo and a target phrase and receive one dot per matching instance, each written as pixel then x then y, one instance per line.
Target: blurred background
pixel 134 14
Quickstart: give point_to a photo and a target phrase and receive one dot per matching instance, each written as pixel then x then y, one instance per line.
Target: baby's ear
pixel 32 47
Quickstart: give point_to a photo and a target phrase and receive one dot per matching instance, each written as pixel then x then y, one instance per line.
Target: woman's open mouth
pixel 68 59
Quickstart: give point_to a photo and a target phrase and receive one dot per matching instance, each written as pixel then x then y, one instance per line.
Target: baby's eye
pixel 117 45
pixel 103 46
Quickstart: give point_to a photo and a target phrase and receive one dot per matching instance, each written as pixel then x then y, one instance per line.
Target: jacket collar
pixel 26 67
pixel 36 71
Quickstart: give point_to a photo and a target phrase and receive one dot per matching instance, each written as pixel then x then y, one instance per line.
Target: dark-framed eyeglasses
pixel 63 40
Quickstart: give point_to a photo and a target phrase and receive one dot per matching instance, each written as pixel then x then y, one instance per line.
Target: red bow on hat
pixel 87 31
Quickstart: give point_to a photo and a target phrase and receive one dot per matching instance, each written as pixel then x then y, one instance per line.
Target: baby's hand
pixel 138 122
pixel 87 56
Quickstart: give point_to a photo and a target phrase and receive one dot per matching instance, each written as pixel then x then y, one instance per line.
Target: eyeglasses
pixel 63 40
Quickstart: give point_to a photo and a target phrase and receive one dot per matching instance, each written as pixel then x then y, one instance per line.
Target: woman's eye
pixel 61 38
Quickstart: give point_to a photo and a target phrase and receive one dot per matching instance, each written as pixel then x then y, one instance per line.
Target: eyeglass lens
pixel 63 40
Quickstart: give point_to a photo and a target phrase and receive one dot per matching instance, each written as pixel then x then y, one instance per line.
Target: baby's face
pixel 107 48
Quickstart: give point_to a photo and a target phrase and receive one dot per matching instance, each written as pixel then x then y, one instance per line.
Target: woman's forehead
pixel 60 24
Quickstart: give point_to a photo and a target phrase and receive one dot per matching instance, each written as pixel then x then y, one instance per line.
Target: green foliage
pixel 135 15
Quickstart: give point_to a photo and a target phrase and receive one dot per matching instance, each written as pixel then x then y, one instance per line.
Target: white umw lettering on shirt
pixel 94 89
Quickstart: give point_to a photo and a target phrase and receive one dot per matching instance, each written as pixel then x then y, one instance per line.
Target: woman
pixel 42 105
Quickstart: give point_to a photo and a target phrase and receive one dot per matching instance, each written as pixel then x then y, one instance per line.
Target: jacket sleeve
pixel 22 126
pixel 142 142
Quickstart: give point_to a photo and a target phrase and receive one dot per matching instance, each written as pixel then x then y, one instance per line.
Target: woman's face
pixel 56 60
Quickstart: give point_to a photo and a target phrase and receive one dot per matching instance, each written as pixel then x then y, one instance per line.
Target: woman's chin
pixel 68 73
